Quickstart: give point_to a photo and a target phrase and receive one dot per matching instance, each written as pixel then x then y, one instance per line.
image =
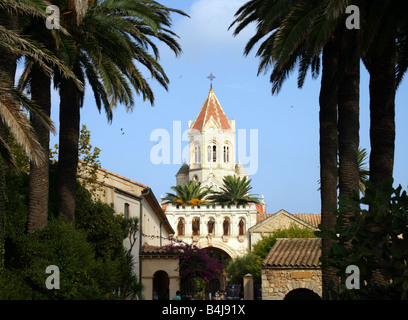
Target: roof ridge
pixel 122 177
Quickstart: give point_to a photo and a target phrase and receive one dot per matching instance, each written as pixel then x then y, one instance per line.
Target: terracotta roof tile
pixel 211 109
pixel 262 216
pixel 294 253
pixel 314 219
pixel 155 250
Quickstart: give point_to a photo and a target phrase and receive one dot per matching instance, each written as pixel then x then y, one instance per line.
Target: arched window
pixel 212 153
pixel 196 226
pixel 126 210
pixel 197 154
pixel 226 227
pixel 226 154
pixel 180 227
pixel 241 227
pixel 210 226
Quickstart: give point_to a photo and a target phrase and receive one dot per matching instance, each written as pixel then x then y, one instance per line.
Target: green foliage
pixel 190 193
pixel 91 257
pixel 104 229
pixel 88 165
pixel 235 191
pixel 262 247
pixel 237 268
pixel 16 199
pixel 61 244
pixel 375 239
pixel 21 159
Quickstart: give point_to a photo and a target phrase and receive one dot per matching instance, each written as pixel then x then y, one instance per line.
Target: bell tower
pixel 212 146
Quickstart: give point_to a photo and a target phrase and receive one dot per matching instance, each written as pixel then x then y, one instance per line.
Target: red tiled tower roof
pixel 211 109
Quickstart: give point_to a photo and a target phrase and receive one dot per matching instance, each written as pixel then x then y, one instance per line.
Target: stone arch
pixel 302 294
pixel 218 245
pixel 223 257
pixel 307 285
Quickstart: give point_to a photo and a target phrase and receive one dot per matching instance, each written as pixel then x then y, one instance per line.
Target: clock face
pixel 211 129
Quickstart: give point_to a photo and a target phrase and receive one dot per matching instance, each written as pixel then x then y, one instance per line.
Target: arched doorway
pixel 220 283
pixel 161 285
pixel 302 294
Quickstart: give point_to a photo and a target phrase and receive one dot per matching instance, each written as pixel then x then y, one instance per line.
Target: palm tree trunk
pixel 382 112
pixel 328 153
pixel 8 65
pixel 348 115
pixel 68 148
pixel 382 122
pixel 39 174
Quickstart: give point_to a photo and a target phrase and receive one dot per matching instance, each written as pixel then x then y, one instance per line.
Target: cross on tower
pixel 211 77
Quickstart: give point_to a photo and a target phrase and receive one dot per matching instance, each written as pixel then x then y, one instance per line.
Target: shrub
pixel 61 244
pixel 376 239
pixel 91 257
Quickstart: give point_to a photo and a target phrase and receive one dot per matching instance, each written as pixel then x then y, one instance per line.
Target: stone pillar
pixel 248 287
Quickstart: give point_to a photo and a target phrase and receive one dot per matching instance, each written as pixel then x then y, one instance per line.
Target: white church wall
pixel 233 243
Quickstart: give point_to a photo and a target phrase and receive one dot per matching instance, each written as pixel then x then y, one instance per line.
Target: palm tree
pixel 363 171
pixel 235 191
pixel 386 60
pixel 38 83
pixel 106 43
pixel 191 193
pixel 12 46
pixel 295 34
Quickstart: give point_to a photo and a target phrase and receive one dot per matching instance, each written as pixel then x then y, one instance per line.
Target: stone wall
pixel 277 283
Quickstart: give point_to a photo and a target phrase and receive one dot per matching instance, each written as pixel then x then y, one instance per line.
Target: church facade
pixel 212 149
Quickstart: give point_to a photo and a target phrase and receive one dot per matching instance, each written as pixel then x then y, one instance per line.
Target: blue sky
pixel 287 124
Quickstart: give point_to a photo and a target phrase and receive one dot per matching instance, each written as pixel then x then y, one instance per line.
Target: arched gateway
pixel 215 285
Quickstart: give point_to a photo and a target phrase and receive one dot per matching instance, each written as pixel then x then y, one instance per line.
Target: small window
pixel 209 154
pixel 127 215
pixel 226 154
pixel 197 154
pixel 212 153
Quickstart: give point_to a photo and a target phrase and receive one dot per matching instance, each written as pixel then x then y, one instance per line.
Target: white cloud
pixel 207 28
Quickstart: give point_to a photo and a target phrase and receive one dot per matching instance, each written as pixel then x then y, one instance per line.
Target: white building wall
pixel 234 244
